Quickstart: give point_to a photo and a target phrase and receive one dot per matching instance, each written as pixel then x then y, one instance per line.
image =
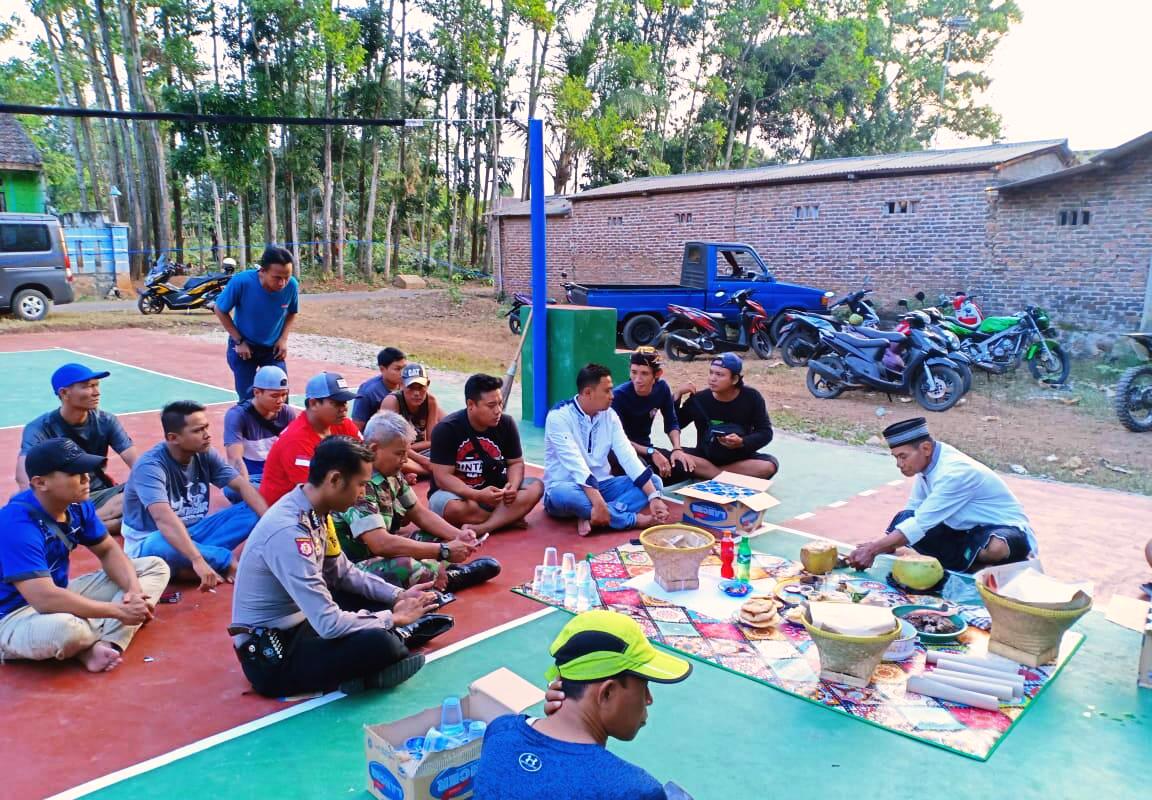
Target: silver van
pixel 35 271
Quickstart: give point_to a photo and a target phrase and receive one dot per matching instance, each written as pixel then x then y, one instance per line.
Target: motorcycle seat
pixel 192 283
pixel 856 340
pixel 872 333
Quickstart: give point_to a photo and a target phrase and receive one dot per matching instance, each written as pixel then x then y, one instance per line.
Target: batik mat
pixel 786 659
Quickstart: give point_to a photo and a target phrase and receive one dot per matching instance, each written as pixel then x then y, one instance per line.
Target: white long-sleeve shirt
pixel 576 447
pixel 960 492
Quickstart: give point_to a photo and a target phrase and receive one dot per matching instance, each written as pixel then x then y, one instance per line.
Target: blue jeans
pixel 624 499
pixel 215 536
pixel 244 370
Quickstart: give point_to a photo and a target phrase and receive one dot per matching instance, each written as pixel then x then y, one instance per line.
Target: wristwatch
pixel 651 451
pixel 445 553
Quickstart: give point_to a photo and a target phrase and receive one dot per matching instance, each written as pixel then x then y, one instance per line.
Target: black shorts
pixel 736 455
pixel 959 550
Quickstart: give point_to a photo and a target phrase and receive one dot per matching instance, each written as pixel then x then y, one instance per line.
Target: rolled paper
pixel 1000 665
pixel 1017 681
pixel 944 691
pixel 973 683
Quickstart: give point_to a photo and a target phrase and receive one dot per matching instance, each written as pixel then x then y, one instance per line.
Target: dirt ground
pixel 1009 422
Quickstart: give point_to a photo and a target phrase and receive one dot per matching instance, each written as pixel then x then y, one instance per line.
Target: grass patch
pixel 838 430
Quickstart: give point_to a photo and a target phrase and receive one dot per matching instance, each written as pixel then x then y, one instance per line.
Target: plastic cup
pixel 550 558
pixel 569 564
pixel 581 571
pixel 476 729
pixel 451 717
pixel 538 579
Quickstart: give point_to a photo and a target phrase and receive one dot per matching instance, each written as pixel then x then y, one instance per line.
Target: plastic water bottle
pixel 451 718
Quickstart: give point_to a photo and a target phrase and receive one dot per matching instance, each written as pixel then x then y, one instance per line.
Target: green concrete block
pixel 577 335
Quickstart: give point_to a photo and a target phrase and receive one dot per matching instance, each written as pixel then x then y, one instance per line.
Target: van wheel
pixel 30 305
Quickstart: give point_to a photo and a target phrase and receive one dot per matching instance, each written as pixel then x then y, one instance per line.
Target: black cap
pixel 905 431
pixel 60 455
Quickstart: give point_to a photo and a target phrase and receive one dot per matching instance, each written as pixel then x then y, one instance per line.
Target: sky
pixel 1072 69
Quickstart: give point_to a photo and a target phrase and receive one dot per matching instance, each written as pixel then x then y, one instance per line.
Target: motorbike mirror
pixel 564 274
pixel 920 296
pixel 902 303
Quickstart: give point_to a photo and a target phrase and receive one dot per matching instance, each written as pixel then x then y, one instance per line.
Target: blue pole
pixel 539 274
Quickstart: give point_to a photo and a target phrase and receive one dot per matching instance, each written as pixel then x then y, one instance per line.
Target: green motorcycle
pixel 999 344
pixel 1134 389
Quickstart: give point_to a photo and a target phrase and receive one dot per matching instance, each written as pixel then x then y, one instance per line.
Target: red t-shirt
pixel 288 460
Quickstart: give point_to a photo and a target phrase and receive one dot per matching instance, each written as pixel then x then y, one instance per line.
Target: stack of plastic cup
pixel 451 718
pixel 538 580
pixel 568 575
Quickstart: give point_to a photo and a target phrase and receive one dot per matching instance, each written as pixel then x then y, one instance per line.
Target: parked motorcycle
pixel 856 360
pixel 198 292
pixel 800 336
pixel 519 300
pixel 1134 389
pixel 999 344
pixel 690 332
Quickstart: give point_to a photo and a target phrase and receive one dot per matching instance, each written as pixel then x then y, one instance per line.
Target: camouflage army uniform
pixel 387 501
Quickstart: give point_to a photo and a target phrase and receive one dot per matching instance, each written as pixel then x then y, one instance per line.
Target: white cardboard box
pixel 728 503
pixel 449 773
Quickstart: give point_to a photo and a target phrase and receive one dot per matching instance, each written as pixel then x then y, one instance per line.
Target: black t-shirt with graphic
pixel 452 445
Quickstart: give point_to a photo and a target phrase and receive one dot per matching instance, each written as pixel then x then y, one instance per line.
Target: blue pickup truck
pixel 710 273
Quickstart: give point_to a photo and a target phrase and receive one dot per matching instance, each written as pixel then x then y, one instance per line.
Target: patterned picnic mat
pixel 786 659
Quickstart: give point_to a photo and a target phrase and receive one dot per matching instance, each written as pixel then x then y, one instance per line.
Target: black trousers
pixel 958 550
pixel 312 664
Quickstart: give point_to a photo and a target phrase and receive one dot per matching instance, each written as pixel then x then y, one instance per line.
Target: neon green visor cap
pixel 600 644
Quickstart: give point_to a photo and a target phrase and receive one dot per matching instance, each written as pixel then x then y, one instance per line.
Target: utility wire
pixel 239 119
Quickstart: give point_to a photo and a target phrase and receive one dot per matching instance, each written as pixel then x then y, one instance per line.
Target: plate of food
pixel 933 624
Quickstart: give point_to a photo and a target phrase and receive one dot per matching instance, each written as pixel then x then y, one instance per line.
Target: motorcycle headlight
pixel 953 339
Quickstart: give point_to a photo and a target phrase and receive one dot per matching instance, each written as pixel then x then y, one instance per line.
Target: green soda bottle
pixel 743 559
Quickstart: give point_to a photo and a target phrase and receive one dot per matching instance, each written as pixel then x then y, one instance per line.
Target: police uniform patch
pixel 305 546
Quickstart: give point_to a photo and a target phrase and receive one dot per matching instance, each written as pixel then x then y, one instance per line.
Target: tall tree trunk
pixel 242 227
pixel 389 234
pixel 108 128
pixel 326 200
pixel 74 141
pixel 293 230
pixel 94 164
pixel 271 218
pixel 131 154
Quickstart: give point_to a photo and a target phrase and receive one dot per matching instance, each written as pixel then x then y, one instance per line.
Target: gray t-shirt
pixel 159 478
pixel 95 435
pixel 290 564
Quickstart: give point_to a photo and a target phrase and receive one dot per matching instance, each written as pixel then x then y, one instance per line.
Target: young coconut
pixel 917 572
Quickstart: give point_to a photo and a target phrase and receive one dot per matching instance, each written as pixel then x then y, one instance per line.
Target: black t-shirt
pixel 745 414
pixel 452 445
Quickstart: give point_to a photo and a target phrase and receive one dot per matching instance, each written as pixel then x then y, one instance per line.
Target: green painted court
pixel 721 735
pixel 28 374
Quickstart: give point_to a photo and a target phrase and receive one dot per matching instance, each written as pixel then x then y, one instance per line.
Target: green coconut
pixel 917 571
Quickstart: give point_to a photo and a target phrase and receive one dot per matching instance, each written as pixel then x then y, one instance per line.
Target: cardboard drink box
pixel 1144 679
pixel 448 773
pixel 728 503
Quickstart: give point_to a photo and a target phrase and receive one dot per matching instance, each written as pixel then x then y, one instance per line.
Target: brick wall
pixel 636 239
pixel 1008 249
pixel 1093 277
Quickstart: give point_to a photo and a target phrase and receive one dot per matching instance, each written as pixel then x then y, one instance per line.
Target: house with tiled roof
pixel 21 170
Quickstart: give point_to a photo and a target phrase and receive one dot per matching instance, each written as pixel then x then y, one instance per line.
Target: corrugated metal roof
pixel 553 207
pixel 960 159
pixel 1102 160
pixel 16 148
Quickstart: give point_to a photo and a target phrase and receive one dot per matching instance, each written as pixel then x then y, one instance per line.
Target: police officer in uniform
pixel 303 617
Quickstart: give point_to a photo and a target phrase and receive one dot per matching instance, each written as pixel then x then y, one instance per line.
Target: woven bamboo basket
pixel 1025 633
pixel 849 659
pixel 677 568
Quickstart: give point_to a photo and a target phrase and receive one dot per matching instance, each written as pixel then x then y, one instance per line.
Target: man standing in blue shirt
pixel 257 308
pixel 166 501
pixel 43 615
pixel 80 420
pixel 604 663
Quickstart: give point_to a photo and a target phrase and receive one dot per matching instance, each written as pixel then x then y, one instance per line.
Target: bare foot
pixel 100 657
pixel 644 521
pixel 583 526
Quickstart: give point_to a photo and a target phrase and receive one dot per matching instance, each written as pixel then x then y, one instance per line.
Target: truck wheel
pixel 641 330
pixel 30 305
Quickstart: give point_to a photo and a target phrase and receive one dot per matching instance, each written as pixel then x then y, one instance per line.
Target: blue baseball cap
pixel 729 361
pixel 74 373
pixel 270 376
pixel 328 385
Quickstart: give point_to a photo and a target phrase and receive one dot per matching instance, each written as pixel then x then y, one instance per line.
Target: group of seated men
pixel 344 565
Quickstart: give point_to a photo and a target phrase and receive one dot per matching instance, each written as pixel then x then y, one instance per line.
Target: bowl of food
pixel 933 624
pixel 905 646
